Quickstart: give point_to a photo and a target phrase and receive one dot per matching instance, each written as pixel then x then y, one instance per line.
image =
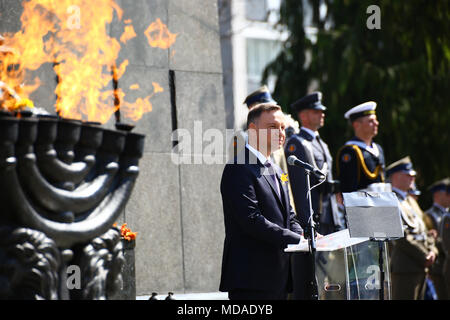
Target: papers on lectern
pixel 330 242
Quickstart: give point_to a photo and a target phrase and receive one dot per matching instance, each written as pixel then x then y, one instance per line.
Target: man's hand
pixel 433 232
pixel 431 257
pixel 302 239
pixel 339 198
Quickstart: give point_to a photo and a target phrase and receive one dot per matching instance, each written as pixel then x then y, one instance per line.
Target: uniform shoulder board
pixel 346 154
pixel 346 157
pixel 291 147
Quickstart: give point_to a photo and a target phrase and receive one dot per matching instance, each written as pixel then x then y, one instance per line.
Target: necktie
pixel 321 147
pixel 272 174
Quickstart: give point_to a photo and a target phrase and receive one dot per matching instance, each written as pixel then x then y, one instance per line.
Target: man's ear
pixel 302 115
pixel 252 133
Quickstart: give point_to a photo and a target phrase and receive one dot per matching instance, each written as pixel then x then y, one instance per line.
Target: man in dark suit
pixel 259 222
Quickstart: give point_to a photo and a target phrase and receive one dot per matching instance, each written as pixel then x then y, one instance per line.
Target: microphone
pixel 294 161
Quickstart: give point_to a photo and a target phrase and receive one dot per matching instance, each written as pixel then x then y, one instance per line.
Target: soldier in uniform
pixel 433 220
pixel 415 253
pixel 309 147
pixel 445 235
pixel 360 162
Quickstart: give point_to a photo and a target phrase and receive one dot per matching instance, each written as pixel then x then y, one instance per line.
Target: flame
pixel 136 110
pixel 72 36
pixel 159 36
pixel 157 87
pixel 128 34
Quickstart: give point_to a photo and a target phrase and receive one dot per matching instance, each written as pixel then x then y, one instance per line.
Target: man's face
pixel 269 131
pixel 442 198
pixel 312 119
pixel 447 199
pixel 367 126
pixel 402 180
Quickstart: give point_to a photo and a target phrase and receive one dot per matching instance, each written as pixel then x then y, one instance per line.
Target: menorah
pixel 63 183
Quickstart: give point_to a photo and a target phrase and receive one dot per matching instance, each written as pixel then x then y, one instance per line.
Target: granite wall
pixel 176 209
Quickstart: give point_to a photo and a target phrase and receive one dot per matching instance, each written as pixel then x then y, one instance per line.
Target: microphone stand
pixel 380 243
pixel 311 234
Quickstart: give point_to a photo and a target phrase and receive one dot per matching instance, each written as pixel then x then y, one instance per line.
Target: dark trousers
pixel 408 286
pixel 302 275
pixel 245 294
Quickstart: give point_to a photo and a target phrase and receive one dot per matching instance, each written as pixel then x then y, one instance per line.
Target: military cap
pixel 402 165
pixel 261 95
pixel 361 110
pixel 441 185
pixel 310 101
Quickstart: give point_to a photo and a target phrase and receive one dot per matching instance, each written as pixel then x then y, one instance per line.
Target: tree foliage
pixel 404 67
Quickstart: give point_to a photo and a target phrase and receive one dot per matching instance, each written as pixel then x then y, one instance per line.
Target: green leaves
pixel 404 67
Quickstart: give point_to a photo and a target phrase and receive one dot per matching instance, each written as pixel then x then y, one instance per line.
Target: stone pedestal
pixel 128 290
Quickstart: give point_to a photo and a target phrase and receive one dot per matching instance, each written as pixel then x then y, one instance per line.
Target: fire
pixel 157 87
pixel 135 111
pixel 128 34
pixel 159 36
pixel 72 36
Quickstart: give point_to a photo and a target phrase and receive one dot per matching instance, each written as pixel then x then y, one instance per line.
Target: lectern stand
pixel 375 215
pixel 353 263
pixel 339 260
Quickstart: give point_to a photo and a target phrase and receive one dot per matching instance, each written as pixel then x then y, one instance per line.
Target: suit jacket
pixel 358 167
pixel 316 153
pixel 409 253
pixel 259 224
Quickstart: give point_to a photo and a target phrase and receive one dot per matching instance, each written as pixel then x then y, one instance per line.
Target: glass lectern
pixel 348 268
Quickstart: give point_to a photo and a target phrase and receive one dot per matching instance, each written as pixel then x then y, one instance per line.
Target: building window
pixel 259 54
pixel 256 10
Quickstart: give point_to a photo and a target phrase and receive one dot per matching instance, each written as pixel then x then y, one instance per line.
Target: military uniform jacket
pixel 433 220
pixel 237 144
pixel 445 233
pixel 358 166
pixel 435 214
pixel 315 152
pixel 409 253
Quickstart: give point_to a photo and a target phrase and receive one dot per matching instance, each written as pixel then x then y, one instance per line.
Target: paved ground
pixel 190 296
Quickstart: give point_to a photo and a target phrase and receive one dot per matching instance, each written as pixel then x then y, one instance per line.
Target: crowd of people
pixel 266 206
